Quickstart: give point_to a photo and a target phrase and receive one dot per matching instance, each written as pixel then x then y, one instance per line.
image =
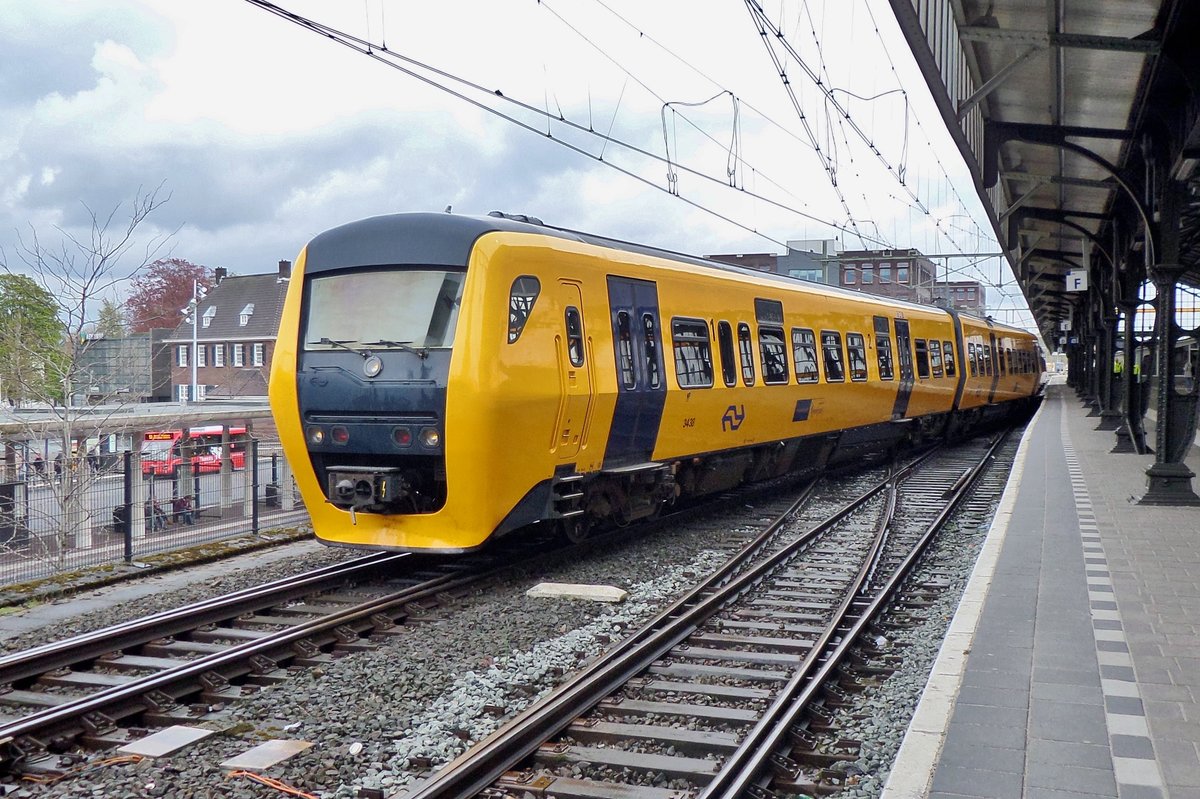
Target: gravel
pixel 382 718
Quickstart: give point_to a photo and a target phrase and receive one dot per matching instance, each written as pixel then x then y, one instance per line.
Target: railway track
pixel 713 697
pixel 105 688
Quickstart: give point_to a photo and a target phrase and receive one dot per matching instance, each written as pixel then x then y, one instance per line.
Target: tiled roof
pixel 229 298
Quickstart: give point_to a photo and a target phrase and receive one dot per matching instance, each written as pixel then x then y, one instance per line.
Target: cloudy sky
pixel 617 117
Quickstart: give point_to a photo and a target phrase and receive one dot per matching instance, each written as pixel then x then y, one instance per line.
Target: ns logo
pixel 733 418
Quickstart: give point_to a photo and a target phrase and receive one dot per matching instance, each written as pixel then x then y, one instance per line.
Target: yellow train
pixel 439 379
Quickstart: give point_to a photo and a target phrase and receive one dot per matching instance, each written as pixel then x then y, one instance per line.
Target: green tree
pixel 32 358
pixel 110 319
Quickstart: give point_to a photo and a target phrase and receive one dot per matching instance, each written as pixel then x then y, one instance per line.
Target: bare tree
pixel 79 273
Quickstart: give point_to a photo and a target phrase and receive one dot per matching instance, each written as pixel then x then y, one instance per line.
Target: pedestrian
pixel 182 509
pixel 39 464
pixel 155 515
pixel 58 466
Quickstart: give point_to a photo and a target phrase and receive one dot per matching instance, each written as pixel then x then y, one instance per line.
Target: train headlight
pixel 401 436
pixel 372 366
pixel 339 434
pixel 316 435
pixel 430 437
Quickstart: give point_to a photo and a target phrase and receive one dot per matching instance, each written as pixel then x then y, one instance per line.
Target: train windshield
pixel 383 309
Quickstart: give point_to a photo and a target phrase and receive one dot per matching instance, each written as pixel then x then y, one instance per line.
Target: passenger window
pixel 693 354
pixel 988 366
pixel 948 357
pixel 804 355
pixel 625 350
pixel 521 297
pixel 972 359
pixel 831 346
pixel 856 352
pixel 774 355
pixel 922 358
pixel 574 336
pixel 883 348
pixel 746 350
pixel 725 342
pixel 650 336
pixel 935 358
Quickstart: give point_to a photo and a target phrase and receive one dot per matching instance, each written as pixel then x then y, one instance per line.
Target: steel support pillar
pixel 1169 479
pixel 1131 435
pixel 1110 414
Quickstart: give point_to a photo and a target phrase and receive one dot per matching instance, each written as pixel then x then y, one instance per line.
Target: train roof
pixel 445 239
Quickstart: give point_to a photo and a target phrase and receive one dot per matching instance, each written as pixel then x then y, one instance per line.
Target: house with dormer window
pixel 234 335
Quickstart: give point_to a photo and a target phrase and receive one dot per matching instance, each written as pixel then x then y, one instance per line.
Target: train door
pixel 993 367
pixel 574 375
pixel 641 387
pixel 904 360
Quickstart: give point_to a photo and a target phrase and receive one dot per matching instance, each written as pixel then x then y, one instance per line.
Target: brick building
pixel 235 330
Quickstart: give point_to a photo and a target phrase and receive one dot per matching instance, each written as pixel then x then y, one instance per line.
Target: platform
pixel 1072 666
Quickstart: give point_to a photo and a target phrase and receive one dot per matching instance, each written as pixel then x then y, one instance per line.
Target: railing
pixel 84 512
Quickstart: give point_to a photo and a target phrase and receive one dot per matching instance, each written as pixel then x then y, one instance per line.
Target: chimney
pixel 285 270
pixel 220 272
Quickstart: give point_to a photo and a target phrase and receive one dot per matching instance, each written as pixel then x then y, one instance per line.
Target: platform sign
pixel 1077 280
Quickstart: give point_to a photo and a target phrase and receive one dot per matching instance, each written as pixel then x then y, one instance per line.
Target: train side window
pixel 972 359
pixel 521 297
pixel 883 348
pixel 693 354
pixel 856 355
pixel 574 336
pixel 988 365
pixel 804 355
pixel 935 357
pixel 948 357
pixel 650 337
pixel 922 358
pixel 725 343
pixel 831 347
pixel 1008 357
pixel 625 350
pixel 746 351
pixel 774 355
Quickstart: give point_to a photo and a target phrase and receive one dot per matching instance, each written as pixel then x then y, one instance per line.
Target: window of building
pixel 693 354
pixel 625 369
pixel 207 317
pixel 935 357
pixel 774 355
pixel 238 354
pixel 247 312
pixel 902 271
pixel 831 346
pixel 181 393
pixel 804 355
pixel 725 342
pixel 849 276
pixel 218 355
pixel 256 353
pixel 201 355
pixel 746 352
pixel 868 275
pixel 181 355
pixel 948 357
pixel 856 355
pixel 922 357
pixel 574 323
pixel 885 273
pixel 814 275
pixel 883 348
pixel 650 337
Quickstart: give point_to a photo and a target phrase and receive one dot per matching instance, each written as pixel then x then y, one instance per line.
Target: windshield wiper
pixel 342 345
pixel 421 353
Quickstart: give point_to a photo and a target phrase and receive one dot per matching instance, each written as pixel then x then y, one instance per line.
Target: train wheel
pixel 574 530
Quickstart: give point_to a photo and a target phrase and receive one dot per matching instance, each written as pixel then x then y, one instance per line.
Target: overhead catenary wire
pixel 410 67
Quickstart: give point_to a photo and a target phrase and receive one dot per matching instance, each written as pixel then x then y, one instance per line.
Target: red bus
pixel 162 451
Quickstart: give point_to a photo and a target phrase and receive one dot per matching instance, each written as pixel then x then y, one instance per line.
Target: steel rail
pixel 742 768
pixel 479 767
pixel 30 663
pixel 127 699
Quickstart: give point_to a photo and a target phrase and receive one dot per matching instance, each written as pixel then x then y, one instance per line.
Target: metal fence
pixel 83 512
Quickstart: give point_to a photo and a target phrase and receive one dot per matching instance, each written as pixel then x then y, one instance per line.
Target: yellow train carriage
pixel 440 379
